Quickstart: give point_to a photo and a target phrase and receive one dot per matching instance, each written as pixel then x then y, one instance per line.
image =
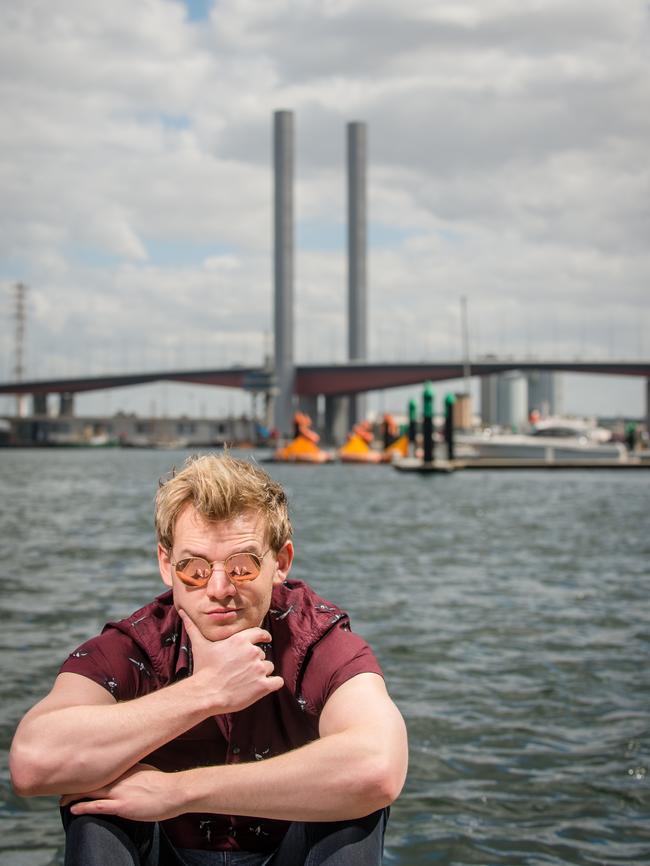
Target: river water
pixel 510 611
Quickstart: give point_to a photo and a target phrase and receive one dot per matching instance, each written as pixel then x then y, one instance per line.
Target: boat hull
pixel 550 449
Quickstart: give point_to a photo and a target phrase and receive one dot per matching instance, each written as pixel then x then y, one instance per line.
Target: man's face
pixel 221 607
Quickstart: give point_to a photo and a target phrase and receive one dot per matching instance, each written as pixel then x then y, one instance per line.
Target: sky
pixel 507 162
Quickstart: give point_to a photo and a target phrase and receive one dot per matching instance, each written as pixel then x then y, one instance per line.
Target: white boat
pixel 551 440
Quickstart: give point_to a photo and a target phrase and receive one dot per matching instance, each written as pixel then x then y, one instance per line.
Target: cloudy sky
pixel 508 162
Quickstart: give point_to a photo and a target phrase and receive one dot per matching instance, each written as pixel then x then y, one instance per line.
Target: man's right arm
pixel 79 737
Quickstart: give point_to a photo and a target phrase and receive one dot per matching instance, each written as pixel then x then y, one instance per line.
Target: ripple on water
pixel 509 612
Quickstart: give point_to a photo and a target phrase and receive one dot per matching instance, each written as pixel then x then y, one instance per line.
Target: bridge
pixel 355 377
pixel 335 382
pixel 331 380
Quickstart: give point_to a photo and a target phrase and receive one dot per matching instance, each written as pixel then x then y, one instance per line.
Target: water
pixel 510 612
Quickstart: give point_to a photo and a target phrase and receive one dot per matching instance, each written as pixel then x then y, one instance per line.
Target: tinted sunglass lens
pixel 242 566
pixel 194 572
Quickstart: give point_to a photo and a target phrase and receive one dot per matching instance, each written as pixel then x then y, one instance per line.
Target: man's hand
pixel 234 672
pixel 143 793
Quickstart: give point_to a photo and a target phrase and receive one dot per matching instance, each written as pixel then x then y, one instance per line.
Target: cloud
pixel 507 162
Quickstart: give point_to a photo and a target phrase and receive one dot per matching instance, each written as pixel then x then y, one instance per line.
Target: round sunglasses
pixel 238 567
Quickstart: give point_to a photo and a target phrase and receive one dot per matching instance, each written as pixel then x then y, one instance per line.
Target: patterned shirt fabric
pixel 312 649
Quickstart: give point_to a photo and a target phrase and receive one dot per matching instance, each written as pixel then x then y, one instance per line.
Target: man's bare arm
pixel 79 738
pixel 356 767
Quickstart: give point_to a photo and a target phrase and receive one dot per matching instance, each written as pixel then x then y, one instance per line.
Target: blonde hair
pixel 221 487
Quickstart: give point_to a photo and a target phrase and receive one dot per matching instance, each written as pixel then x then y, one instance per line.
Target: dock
pixel 412 464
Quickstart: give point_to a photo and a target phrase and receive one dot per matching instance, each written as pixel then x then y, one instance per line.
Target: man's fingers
pixel 94 807
pixel 274 683
pixel 86 797
pixel 257 635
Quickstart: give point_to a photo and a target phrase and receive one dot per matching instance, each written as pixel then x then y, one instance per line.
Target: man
pixel 235 719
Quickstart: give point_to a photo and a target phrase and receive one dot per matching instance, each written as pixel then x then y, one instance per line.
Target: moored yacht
pixel 549 439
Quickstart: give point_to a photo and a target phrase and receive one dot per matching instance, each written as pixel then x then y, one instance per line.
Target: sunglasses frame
pixel 233 579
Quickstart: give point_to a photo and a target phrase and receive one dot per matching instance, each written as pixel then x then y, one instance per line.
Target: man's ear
pixel 165 565
pixel 283 563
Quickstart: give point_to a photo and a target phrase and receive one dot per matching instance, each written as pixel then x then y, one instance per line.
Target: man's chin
pixel 217 633
pixel 214 631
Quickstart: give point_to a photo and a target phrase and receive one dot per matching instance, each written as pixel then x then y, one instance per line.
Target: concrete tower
pixel 357 243
pixel 283 271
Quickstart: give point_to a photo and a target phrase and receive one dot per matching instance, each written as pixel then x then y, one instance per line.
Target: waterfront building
pixel 544 392
pixel 504 400
pixel 507 399
pixel 130 430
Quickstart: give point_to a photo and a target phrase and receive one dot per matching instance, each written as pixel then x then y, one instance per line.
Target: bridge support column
pixel 39 404
pixel 647 405
pixel 283 268
pixel 357 243
pixel 66 404
pixel 336 419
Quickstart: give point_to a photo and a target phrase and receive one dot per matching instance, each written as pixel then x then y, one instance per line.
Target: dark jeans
pixel 110 841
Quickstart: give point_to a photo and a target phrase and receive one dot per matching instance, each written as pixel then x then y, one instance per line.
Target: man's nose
pixel 219 583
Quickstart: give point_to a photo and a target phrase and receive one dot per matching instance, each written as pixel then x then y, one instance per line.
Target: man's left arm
pixel 357 766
